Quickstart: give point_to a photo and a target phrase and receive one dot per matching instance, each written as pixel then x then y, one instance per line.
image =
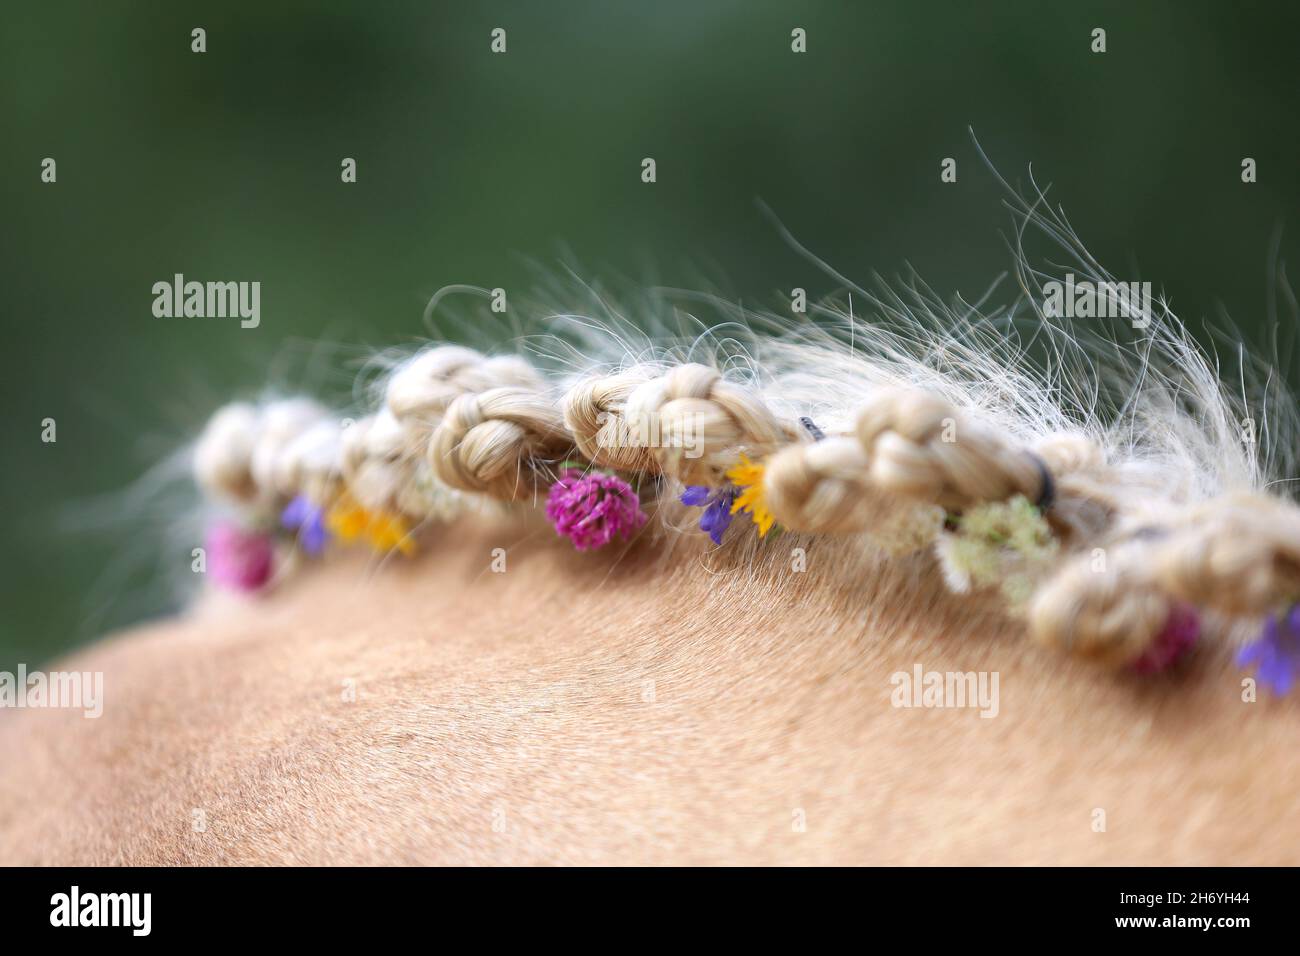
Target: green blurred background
pixel 225 166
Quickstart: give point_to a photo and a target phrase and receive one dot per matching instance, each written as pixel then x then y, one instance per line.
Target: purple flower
pixel 717 507
pixel 1276 651
pixel 238 559
pixel 590 510
pixel 1182 628
pixel 309 521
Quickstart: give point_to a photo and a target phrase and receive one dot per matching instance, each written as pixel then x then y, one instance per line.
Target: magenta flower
pixel 1276 651
pixel 1182 628
pixel 238 559
pixel 590 510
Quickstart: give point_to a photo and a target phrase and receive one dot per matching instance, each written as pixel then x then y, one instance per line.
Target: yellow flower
pixel 346 519
pixel 749 478
pixel 388 531
pixel 384 530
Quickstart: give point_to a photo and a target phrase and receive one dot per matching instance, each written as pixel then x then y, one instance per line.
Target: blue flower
pixel 717 507
pixel 1276 651
pixel 309 521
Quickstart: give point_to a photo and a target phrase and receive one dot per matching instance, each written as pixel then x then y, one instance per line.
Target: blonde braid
pixel 1239 554
pixel 223 455
pixel 920 446
pixel 1103 607
pixel 311 464
pixel 420 390
pixel 495 442
pixel 416 399
pixel 916 446
pixel 374 462
pixel 1236 555
pixel 237 456
pixel 818 487
pixel 696 424
pixel 594 412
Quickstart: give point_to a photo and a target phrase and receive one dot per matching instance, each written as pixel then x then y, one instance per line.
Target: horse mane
pixel 1102 473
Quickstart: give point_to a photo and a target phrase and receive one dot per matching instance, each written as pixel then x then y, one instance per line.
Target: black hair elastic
pixel 1046 497
pixel 811 428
